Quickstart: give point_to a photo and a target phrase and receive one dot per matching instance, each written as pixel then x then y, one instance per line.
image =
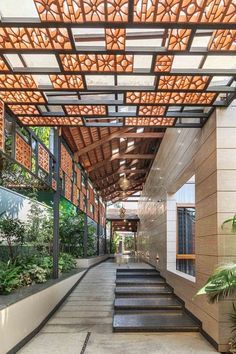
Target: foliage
pixel 28 270
pixel 12 231
pixel 39 225
pixel 115 242
pixel 129 243
pixel 9 277
pixel 66 262
pixel 43 133
pixel 232 222
pixel 221 284
pixel 71 232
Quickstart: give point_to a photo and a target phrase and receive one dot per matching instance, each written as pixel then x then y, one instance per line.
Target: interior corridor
pixel 83 324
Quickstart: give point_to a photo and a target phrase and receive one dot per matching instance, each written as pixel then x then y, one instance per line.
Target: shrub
pixel 9 277
pixel 66 262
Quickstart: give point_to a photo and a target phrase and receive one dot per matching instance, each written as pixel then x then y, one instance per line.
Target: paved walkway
pixel 83 324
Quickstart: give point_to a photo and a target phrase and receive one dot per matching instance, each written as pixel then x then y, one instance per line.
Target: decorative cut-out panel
pixel 67 81
pixel 86 110
pixel 191 11
pixel 3 66
pixel 163 63
pixel 223 40
pixel 51 121
pixel 170 97
pixel 183 82
pixel 97 62
pixel 215 10
pixel 83 11
pixel 34 38
pixel 2 126
pixel 68 187
pixel 17 81
pixel 22 152
pixel 43 158
pixel 78 176
pixel 149 121
pixel 75 196
pixel 115 38
pixel 23 109
pixel 66 162
pixel 22 96
pixel 152 110
pixel 54 184
pixel 178 39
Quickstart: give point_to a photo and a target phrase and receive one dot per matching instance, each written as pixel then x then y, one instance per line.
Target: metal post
pixel 98 238
pixel 111 236
pixel 85 240
pixel 56 202
pixel 105 233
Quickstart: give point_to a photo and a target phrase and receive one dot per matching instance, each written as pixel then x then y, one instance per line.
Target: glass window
pixel 186 240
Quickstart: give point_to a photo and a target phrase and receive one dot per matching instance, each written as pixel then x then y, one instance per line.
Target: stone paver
pixel 90 309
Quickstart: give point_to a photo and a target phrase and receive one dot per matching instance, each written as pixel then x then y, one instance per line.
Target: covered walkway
pixel 84 324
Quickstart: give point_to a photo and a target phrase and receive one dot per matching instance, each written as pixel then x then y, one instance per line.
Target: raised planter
pixel 90 261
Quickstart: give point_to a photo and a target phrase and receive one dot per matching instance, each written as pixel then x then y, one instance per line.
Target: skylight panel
pixel 40 61
pixel 13 9
pixel 100 80
pixel 220 62
pixel 142 61
pixel 186 61
pixel 139 80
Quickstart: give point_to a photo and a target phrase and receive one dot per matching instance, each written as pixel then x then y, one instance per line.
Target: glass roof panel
pixel 11 8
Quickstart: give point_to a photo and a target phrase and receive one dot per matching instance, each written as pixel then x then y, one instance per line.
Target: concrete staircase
pixel 144 302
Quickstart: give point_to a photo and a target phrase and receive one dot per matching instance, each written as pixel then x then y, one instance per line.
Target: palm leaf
pixel 231 221
pixel 221 284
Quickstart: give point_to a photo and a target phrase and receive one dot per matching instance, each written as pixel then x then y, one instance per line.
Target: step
pixel 155 303
pixel 143 270
pixel 137 274
pixel 175 321
pixel 142 290
pixel 140 281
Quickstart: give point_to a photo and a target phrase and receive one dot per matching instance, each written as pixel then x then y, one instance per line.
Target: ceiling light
pixel 140 130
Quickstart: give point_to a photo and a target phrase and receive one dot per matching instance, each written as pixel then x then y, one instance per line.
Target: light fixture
pixel 124 183
pixel 140 130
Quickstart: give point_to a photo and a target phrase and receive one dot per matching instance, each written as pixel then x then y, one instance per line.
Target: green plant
pixel 231 221
pixel 12 231
pixel 115 242
pixel 66 262
pixel 9 277
pixel 221 284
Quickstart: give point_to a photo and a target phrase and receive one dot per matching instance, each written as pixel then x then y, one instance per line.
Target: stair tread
pixel 140 281
pixel 172 321
pixel 136 270
pixel 135 274
pixel 130 303
pixel 143 289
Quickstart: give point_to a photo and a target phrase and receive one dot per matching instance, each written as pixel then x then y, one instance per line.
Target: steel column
pixel 56 203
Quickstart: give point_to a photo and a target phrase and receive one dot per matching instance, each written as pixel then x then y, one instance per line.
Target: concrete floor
pixel 87 314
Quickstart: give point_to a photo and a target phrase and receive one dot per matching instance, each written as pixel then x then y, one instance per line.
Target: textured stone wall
pixel 209 154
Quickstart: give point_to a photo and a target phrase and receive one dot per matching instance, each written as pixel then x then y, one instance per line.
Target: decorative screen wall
pixel 175 55
pixel 2 136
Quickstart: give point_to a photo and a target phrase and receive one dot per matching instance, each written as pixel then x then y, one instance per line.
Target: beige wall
pixel 21 318
pixel 210 154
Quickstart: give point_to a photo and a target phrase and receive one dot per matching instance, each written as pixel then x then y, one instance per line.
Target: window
pixel 185 258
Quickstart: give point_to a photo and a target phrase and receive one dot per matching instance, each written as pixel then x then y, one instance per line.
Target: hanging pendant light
pixel 124 183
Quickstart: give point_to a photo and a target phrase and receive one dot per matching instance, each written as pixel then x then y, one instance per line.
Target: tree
pixel 13 232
